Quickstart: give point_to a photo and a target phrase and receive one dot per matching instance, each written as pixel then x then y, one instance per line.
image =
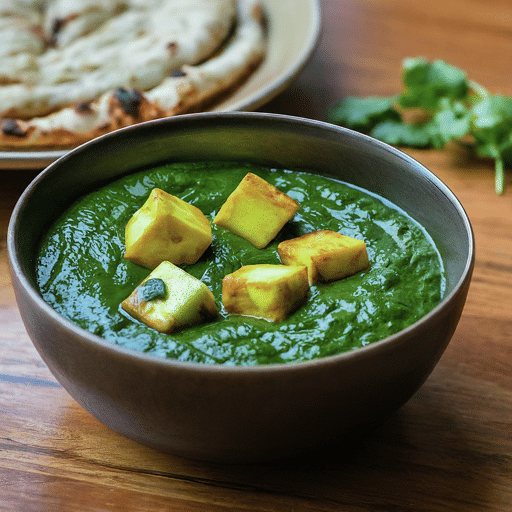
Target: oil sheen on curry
pixel 232 263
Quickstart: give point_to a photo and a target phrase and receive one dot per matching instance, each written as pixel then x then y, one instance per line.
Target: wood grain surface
pixel 448 449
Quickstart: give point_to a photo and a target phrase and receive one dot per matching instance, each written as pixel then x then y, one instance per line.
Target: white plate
pixel 293 31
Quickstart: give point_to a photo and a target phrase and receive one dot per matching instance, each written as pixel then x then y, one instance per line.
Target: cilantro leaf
pixel 451 122
pixel 427 83
pixel 398 133
pixel 491 127
pixel 492 119
pixel 362 114
pixel 452 108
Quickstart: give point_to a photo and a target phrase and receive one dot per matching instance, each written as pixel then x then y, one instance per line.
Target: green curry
pixel 82 274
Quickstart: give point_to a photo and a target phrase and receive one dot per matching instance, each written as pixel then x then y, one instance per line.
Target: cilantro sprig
pixel 445 106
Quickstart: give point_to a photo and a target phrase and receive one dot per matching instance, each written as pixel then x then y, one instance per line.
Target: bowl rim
pixel 374 348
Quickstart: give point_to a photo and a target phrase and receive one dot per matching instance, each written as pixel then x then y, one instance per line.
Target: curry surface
pixel 82 274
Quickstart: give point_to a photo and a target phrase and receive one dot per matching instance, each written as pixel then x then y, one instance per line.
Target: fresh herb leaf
pixel 427 83
pixel 398 133
pixel 363 114
pixel 492 130
pixel 152 289
pixel 451 107
pixel 451 121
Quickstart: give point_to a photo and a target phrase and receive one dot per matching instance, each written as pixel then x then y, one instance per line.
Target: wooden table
pixel 448 449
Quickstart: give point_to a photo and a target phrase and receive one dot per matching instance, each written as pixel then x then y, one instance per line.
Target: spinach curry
pixel 82 274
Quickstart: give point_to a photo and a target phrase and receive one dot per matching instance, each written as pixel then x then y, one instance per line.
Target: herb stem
pixel 499 177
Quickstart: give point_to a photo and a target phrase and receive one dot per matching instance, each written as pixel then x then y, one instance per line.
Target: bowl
pixel 238 414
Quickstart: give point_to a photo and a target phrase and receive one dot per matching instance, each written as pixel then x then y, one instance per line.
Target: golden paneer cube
pixel 271 292
pixel 183 300
pixel 166 228
pixel 256 211
pixel 327 254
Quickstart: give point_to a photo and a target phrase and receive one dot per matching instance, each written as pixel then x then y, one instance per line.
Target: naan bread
pixel 111 63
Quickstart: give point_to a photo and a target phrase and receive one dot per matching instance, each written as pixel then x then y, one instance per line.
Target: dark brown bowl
pixel 241 414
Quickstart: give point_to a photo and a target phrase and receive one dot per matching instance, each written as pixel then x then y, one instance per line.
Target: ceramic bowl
pixel 241 414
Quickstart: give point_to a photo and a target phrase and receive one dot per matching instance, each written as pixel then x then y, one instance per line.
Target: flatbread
pixel 113 63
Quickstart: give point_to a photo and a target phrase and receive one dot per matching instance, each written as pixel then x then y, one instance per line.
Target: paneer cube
pixel 187 301
pixel 327 254
pixel 256 211
pixel 166 228
pixel 271 292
